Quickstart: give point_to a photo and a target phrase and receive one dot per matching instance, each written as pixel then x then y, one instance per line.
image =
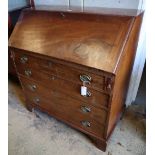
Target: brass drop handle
pixel 28 72
pixel 32 87
pixel 85 123
pixel 36 100
pixel 23 59
pixel 85 109
pixel 88 94
pixel 85 78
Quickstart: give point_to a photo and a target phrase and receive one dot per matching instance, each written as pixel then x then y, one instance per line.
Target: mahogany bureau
pixel 76 67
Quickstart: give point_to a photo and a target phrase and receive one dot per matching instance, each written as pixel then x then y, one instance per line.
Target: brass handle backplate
pixel 88 94
pixel 85 123
pixel 85 78
pixel 85 109
pixel 23 59
pixel 28 72
pixel 32 87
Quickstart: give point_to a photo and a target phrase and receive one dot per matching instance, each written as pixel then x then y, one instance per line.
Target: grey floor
pixel 39 134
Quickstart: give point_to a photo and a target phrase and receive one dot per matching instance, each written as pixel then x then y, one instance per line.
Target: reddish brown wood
pixel 51 81
pixel 66 101
pixel 123 72
pixel 78 38
pixel 58 48
pixel 12 19
pixel 60 70
pixel 11 67
pixel 58 107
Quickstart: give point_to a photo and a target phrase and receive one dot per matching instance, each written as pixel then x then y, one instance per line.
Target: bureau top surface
pixel 94 41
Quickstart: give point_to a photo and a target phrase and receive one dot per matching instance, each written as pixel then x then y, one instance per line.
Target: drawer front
pixel 34 87
pixel 71 74
pixel 72 111
pixel 58 85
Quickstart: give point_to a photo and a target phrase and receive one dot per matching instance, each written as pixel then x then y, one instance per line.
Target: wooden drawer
pixel 58 85
pixel 71 110
pixel 51 66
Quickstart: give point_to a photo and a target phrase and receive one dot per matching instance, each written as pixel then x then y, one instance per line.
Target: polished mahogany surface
pixel 80 38
pixel 56 53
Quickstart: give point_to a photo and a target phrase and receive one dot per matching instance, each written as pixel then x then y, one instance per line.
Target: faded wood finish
pixel 51 51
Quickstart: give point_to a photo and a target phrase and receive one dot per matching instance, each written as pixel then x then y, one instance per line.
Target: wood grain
pixel 60 70
pixel 70 111
pixel 97 99
pixel 80 38
pixel 61 46
pixel 123 73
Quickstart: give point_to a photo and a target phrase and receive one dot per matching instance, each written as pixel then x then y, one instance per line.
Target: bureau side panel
pixel 122 72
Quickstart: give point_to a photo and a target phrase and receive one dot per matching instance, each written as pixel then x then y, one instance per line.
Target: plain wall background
pixel 15 4
pixel 123 4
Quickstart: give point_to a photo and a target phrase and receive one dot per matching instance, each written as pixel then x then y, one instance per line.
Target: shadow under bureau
pixel 76 67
